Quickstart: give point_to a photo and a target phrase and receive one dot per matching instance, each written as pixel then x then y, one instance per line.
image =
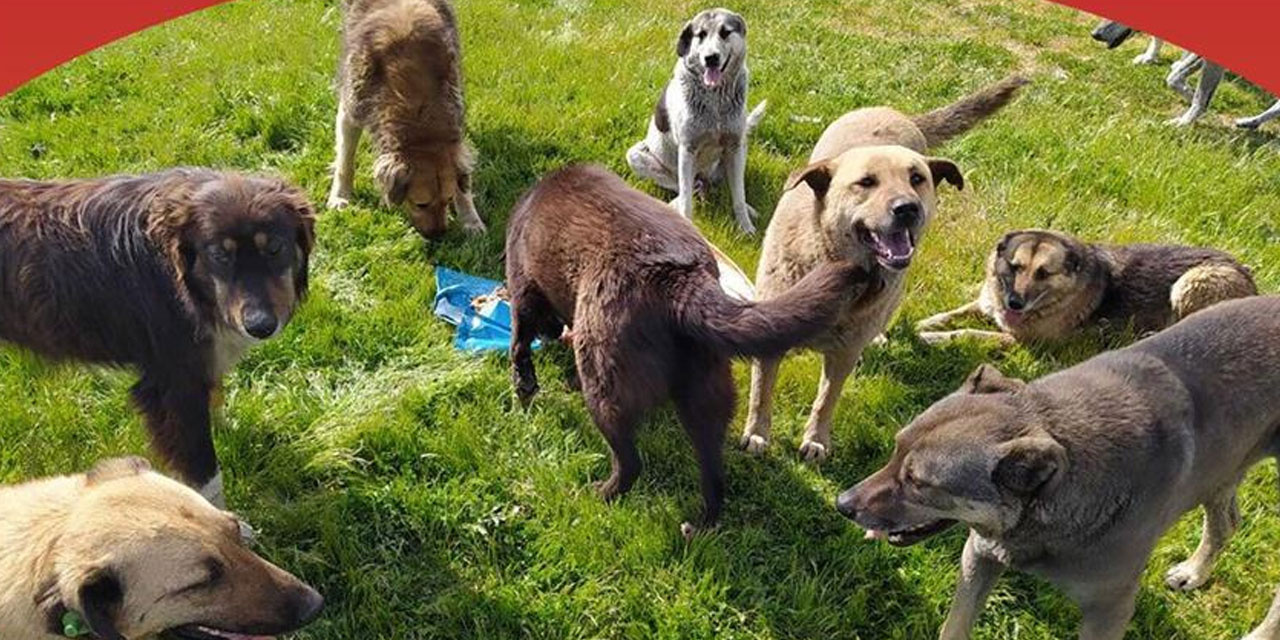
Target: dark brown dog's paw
pixel 525 390
pixel 608 490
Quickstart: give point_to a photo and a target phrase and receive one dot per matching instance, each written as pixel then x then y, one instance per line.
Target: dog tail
pixel 941 125
pixel 753 118
pixel 769 327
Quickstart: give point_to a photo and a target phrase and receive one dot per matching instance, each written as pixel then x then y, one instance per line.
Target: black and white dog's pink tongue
pixel 711 76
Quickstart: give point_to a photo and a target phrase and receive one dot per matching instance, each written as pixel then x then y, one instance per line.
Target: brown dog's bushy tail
pixel 941 125
pixel 769 327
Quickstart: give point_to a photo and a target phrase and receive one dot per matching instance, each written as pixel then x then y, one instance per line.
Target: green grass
pixel 399 476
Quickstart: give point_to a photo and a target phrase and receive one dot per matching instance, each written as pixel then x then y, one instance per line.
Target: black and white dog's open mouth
pixel 893 249
pixel 711 76
pixel 910 535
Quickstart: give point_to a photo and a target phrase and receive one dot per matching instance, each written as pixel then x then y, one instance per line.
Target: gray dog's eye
pixel 702 35
pixel 725 33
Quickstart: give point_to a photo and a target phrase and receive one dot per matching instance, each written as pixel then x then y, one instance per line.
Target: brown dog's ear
pixel 988 379
pixel 1003 245
pixel 1028 464
pixel 393 176
pixel 816 175
pixel 944 169
pixel 100 597
pixel 306 240
pixel 116 468
pixel 685 40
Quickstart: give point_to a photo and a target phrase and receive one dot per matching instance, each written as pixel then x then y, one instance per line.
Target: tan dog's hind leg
pixel 836 367
pixel 764 377
pixel 978 574
pixel 935 338
pixel 1207 285
pixel 1270 627
pixel 1221 519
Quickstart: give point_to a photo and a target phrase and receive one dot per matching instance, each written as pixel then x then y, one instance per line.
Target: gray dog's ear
pixel 685 41
pixel 816 175
pixel 100 598
pixel 115 468
pixel 988 379
pixel 393 176
pixel 736 23
pixel 944 169
pixel 1028 464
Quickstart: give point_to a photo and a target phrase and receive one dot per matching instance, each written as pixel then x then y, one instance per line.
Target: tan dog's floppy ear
pixel 685 41
pixel 116 468
pixel 1028 464
pixel 988 379
pixel 944 169
pixel 816 175
pixel 100 597
pixel 393 176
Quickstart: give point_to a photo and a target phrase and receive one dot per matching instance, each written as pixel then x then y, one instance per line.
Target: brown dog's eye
pixel 219 255
pixel 1041 274
pixel 274 246
pixel 867 182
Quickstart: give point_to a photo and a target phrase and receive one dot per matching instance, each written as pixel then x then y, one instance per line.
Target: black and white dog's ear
pixel 736 23
pixel 685 41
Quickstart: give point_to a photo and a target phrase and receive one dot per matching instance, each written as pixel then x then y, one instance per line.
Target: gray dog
pixel 698 132
pixel 1075 476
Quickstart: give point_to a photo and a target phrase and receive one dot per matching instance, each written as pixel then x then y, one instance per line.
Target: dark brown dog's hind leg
pixel 531 317
pixel 177 416
pixel 616 405
pixel 704 399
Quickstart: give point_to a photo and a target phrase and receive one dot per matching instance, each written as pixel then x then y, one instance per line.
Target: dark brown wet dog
pixel 638 286
pixel 174 273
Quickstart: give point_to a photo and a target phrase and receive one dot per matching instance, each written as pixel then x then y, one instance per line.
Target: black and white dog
pixel 698 132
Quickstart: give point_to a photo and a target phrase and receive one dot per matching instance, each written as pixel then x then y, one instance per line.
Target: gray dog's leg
pixel 1106 613
pixel 1258 120
pixel 1221 519
pixel 1209 79
pixel 978 574
pixel 1270 627
pixel 1152 54
pixel 686 173
pixel 735 161
pixel 647 165
pixel 346 140
pixel 1180 71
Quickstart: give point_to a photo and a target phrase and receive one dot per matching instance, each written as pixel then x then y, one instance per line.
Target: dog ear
pixel 1003 245
pixel 685 40
pixel 101 595
pixel 736 23
pixel 393 175
pixel 1028 464
pixel 944 169
pixel 1073 260
pixel 816 175
pixel 988 379
pixel 116 468
pixel 306 240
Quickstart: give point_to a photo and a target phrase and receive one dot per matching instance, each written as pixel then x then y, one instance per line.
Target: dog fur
pixel 639 288
pixel 1044 285
pixel 400 78
pixel 1114 34
pixel 175 273
pixel 867 196
pixel 1075 476
pixel 698 131
pixel 1211 74
pixel 134 555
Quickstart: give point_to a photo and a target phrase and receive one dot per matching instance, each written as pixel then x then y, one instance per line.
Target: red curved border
pixel 37 35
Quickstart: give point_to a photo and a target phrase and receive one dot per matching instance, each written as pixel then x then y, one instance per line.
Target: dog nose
pixel 259 324
pixel 1014 302
pixel 846 504
pixel 712 60
pixel 307 604
pixel 905 212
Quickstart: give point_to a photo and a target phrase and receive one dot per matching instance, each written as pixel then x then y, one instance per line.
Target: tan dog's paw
pixel 754 444
pixel 338 202
pixel 1187 576
pixel 813 452
pixel 475 227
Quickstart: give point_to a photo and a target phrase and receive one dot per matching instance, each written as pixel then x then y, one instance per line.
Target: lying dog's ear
pixel 944 169
pixel 1028 464
pixel 816 175
pixel 100 596
pixel 116 468
pixel 393 176
pixel 988 379
pixel 1003 245
pixel 685 40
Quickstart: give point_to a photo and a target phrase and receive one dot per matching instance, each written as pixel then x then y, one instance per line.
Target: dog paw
pixel 880 340
pixel 525 391
pixel 338 202
pixel 745 218
pixel 607 490
pixel 688 531
pixel 1247 123
pixel 1144 58
pixel 474 228
pixel 1187 576
pixel 813 452
pixel 1180 121
pixel 754 444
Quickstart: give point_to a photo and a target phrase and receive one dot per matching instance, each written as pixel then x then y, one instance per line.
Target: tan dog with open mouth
pixel 1075 476
pixel 125 553
pixel 867 196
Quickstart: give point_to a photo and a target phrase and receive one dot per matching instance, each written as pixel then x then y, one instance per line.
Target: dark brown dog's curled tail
pixel 770 327
pixel 941 125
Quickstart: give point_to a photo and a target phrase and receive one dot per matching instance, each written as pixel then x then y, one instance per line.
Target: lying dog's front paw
pixel 754 444
pixel 813 452
pixel 1187 576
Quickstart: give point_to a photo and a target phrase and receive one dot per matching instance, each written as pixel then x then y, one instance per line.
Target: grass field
pixel 399 476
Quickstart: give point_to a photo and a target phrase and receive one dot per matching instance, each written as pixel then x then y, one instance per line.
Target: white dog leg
pixel 737 167
pixel 1152 54
pixel 687 174
pixel 346 139
pixel 1209 79
pixel 1258 120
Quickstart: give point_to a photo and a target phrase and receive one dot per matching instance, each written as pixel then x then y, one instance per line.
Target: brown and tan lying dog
pixel 131 554
pixel 639 287
pixel 1044 285
pixel 1075 476
pixel 400 77
pixel 867 196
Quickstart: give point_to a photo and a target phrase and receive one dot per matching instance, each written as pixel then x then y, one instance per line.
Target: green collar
pixel 74 626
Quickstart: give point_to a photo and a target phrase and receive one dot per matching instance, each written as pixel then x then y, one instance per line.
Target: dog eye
pixel 274 246
pixel 725 33
pixel 219 255
pixel 867 182
pixel 1041 274
pixel 702 35
pixel 916 179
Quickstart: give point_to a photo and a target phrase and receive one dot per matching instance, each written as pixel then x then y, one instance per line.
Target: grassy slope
pixel 398 476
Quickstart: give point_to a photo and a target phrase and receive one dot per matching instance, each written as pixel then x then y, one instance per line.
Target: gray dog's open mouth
pixel 201 632
pixel 893 249
pixel 711 76
pixel 911 535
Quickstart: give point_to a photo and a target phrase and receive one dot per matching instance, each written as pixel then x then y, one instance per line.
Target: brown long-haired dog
pixel 639 287
pixel 400 77
pixel 175 273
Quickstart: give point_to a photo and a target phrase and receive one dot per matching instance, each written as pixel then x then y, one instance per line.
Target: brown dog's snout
pixel 305 605
pixel 259 322
pixel 847 503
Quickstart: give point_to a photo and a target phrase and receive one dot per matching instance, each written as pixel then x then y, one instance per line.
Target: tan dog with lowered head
pixel 867 195
pixel 123 552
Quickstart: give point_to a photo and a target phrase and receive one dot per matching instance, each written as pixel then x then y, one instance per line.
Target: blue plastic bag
pixel 485 329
